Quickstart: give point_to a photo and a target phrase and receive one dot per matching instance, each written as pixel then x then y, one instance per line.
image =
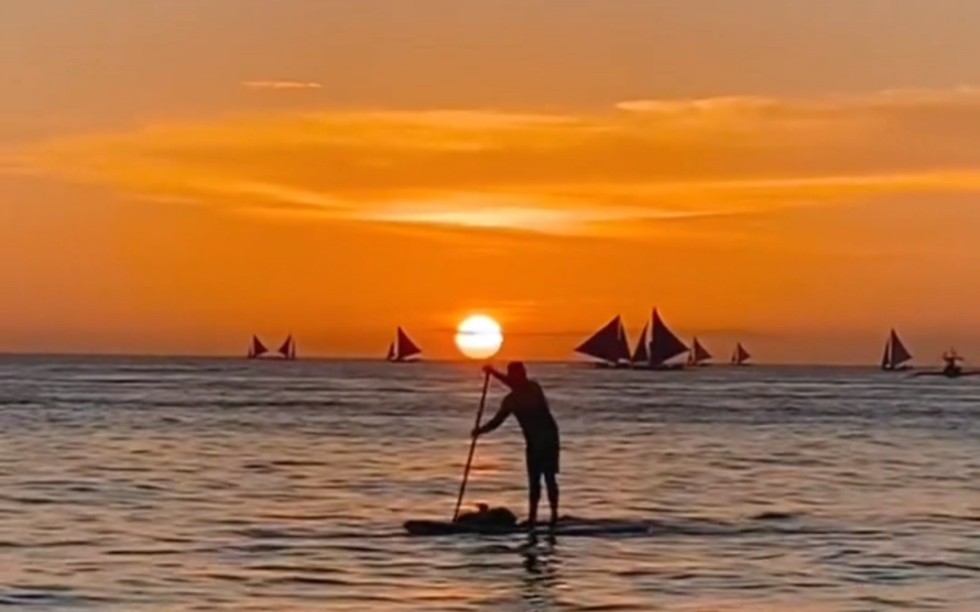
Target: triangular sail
pixel 622 344
pixel 740 355
pixel 257 348
pixel 391 352
pixel 899 354
pixel 640 355
pixel 699 354
pixel 404 347
pixel 895 354
pixel 286 350
pixel 664 344
pixel 607 344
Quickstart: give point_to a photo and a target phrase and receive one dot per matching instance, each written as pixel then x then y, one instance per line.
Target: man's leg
pixel 551 481
pixel 533 496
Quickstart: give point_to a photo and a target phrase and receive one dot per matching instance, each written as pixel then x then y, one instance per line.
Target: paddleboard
pixel 569 527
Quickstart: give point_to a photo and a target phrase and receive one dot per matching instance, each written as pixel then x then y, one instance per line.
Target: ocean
pixel 195 484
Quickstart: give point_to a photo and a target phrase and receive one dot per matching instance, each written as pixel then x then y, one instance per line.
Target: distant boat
pixel 896 355
pixel 698 355
pixel 952 369
pixel 256 349
pixel 663 346
pixel 259 350
pixel 403 349
pixel 740 355
pixel 609 344
pixel 288 348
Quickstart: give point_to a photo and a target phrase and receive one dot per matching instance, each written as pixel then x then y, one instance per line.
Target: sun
pixel 479 337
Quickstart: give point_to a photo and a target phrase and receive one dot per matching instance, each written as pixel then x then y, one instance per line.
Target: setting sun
pixel 479 337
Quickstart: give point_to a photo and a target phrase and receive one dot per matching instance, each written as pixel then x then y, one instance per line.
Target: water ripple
pixel 222 484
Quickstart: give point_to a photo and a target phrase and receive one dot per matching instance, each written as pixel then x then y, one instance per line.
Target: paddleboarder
pixel 527 402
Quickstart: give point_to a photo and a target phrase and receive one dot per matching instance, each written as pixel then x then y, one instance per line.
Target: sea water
pixel 165 484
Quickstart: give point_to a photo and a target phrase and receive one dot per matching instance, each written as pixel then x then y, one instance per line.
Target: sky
pixel 801 176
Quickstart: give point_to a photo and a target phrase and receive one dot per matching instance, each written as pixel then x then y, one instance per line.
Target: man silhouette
pixel 526 401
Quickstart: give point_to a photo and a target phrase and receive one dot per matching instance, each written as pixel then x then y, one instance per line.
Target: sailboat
pixel 698 355
pixel 256 349
pixel 663 346
pixel 288 348
pixel 403 349
pixel 609 344
pixel 896 355
pixel 740 355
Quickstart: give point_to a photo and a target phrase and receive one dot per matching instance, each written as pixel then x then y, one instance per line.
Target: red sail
pixel 740 355
pixel 258 348
pixel 405 349
pixel 698 353
pixel 640 355
pixel 899 354
pixel 607 344
pixel 664 344
pixel 286 350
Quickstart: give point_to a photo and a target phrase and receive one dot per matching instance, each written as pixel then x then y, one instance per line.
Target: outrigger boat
pixel 403 349
pixel 952 369
pixel 698 355
pixel 740 355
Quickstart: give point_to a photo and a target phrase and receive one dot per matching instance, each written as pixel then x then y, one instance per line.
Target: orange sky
pixel 797 175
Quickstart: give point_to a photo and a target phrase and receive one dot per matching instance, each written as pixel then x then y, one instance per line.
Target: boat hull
pixel 567 526
pixel 671 367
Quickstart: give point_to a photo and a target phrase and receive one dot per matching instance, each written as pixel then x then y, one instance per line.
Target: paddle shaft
pixel 469 459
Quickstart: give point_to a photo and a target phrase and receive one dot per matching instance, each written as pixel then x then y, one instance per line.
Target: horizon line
pixel 381 359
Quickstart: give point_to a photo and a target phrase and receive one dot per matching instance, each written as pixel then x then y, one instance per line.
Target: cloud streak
pixel 281 85
pixel 639 163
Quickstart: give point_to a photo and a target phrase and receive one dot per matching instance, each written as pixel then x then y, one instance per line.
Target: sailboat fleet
pixel 258 350
pixel 657 348
pixel 401 350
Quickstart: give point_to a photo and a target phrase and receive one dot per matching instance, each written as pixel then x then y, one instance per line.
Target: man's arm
pixel 495 422
pixel 490 370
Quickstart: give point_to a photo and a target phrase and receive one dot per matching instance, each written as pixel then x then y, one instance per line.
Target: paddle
pixel 469 459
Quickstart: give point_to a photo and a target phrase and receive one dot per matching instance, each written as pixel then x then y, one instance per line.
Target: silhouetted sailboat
pixel 698 355
pixel 664 345
pixel 403 349
pixel 740 355
pixel 896 355
pixel 609 344
pixel 256 348
pixel 288 348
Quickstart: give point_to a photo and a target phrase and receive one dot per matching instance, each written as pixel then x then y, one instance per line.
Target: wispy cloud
pixel 639 163
pixel 281 85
